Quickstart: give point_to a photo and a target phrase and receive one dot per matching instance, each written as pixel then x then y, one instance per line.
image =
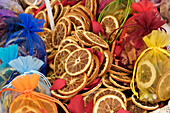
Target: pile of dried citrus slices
pixel 84 60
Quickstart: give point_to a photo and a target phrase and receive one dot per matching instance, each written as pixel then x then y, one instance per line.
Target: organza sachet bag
pixel 21 97
pixel 6 71
pixel 29 43
pixel 29 65
pixel 152 69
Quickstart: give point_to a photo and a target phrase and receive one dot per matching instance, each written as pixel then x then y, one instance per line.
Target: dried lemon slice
pixel 78 62
pixel 163 87
pixel 146 74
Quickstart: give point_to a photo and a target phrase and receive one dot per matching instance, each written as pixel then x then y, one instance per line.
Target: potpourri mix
pixel 100 56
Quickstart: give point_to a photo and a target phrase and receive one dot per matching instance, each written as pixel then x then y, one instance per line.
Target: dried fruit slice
pixel 121 78
pixel 94 7
pixel 90 96
pixel 66 9
pixel 55 11
pixel 91 90
pixel 59 15
pixel 52 54
pixel 84 17
pixel 89 4
pixel 90 69
pixel 117 68
pixel 107 83
pixel 32 2
pixel 108 104
pixel 79 35
pixel 71 47
pixel 42 15
pixel 110 91
pixel 95 39
pixel 146 74
pixel 144 105
pixel 24 103
pixel 59 34
pixel 163 87
pixel 66 41
pixel 95 70
pixel 73 83
pixel 67 22
pixel 134 108
pixel 105 65
pixel 109 24
pixel 30 9
pixel 119 84
pixel 46 36
pixel 78 62
pixel 86 11
pixel 79 23
pixel 59 62
pixel 59 96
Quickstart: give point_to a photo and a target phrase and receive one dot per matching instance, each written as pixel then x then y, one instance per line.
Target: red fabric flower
pixel 58 84
pixel 144 5
pixel 123 111
pixel 89 106
pixel 76 105
pixel 97 27
pixel 99 56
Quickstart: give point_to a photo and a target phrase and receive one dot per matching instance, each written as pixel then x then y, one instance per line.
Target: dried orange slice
pixel 66 41
pixel 24 103
pixel 90 69
pixel 110 91
pixel 78 62
pixel 144 105
pixel 89 4
pixel 119 84
pixel 73 83
pixel 55 93
pixel 86 11
pixel 29 9
pixel 59 15
pixel 119 70
pixel 107 83
pixel 134 108
pixel 51 65
pixel 91 90
pixel 67 22
pixel 42 15
pixel 55 11
pixel 59 34
pixel 163 86
pixel 46 36
pixel 95 70
pixel 89 97
pixel 52 54
pixel 95 39
pixel 121 78
pixel 108 104
pixel 106 64
pixel 79 23
pixel 109 24
pixel 94 7
pixel 32 2
pixel 82 15
pixel 71 47
pixel 59 62
pixel 79 35
pixel 66 9
pixel 146 74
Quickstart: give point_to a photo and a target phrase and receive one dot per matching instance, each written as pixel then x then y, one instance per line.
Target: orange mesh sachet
pixel 30 101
